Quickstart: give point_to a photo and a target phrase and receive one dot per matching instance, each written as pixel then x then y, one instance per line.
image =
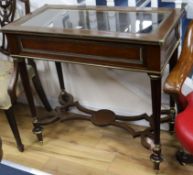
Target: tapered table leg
pixel 28 92
pixel 172 63
pixel 156 108
pixel 60 75
pixel 38 86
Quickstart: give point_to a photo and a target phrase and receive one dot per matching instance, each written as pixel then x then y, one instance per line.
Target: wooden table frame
pixel 149 53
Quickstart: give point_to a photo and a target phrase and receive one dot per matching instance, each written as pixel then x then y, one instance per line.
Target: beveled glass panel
pixel 106 21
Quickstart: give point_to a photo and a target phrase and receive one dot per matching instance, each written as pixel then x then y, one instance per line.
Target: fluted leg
pixel 39 88
pixel 156 108
pixel 27 88
pixel 60 75
pixel 172 63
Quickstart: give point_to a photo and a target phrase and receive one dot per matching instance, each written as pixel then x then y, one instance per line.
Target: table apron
pixel 140 57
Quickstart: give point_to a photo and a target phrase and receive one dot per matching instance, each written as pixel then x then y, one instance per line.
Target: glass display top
pixel 106 21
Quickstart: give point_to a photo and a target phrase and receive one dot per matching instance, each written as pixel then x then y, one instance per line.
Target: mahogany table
pixel 132 39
